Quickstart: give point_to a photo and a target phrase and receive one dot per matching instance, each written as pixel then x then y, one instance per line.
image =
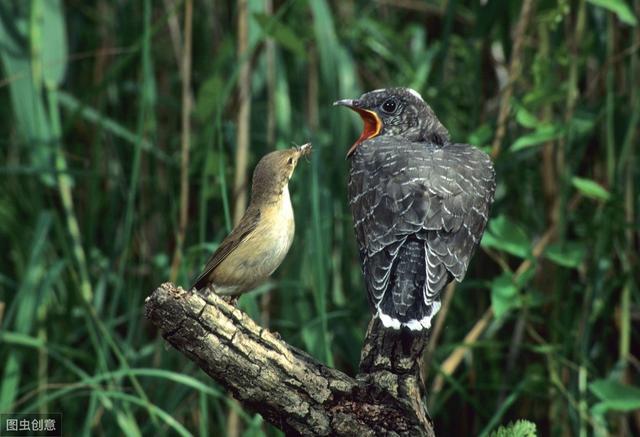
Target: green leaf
pixel 127 424
pixel 210 95
pixel 590 188
pixel 615 395
pixel 26 303
pixel 526 119
pixel 282 34
pixel 618 7
pixel 521 428
pixel 507 236
pixel 27 105
pixel 569 254
pixel 504 294
pixel 90 114
pixel 541 135
pixel 481 135
pixel 583 124
pixel 52 46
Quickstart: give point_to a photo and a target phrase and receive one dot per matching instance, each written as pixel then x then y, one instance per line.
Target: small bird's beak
pixel 305 149
pixel 372 122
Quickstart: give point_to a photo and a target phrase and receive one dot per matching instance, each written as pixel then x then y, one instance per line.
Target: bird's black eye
pixel 389 106
pixel 290 161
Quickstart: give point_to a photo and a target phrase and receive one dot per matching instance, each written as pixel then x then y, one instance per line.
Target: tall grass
pixel 90 200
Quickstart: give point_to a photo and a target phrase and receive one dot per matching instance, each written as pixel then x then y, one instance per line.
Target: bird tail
pixel 201 281
pixel 404 303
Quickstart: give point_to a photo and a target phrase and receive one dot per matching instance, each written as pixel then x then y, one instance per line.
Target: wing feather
pixel 402 190
pixel 247 225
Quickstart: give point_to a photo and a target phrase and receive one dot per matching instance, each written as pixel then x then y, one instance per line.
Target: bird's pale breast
pixel 260 254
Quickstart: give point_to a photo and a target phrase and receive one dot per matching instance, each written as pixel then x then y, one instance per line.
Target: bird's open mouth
pixel 372 127
pixel 372 123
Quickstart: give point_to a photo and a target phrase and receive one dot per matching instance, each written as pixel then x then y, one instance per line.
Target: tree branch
pixel 288 387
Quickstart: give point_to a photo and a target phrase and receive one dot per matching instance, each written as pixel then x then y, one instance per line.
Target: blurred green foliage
pixel 89 200
pixel 521 428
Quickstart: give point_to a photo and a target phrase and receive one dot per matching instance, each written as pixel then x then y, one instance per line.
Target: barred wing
pixel 419 212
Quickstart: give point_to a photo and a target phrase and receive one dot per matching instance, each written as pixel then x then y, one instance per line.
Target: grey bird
pixel 420 204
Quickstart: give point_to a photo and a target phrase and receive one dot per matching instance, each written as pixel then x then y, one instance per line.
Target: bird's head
pixel 274 170
pixel 396 111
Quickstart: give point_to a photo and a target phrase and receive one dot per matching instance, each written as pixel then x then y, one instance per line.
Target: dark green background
pixel 89 200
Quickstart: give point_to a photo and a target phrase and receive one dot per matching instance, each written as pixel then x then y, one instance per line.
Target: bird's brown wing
pixel 247 225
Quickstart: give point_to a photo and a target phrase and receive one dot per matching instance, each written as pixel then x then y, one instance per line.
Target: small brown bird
pixel 257 245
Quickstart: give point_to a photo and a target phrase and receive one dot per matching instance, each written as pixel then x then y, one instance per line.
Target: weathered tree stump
pixel 288 387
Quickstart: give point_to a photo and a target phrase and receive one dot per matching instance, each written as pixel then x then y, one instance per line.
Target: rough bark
pixel 288 387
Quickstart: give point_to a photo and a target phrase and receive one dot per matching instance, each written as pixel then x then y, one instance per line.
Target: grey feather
pixel 424 200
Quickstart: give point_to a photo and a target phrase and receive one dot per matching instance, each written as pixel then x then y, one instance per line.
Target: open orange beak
pixel 372 123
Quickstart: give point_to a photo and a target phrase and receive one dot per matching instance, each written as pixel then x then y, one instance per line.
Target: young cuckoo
pixel 257 245
pixel 419 202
